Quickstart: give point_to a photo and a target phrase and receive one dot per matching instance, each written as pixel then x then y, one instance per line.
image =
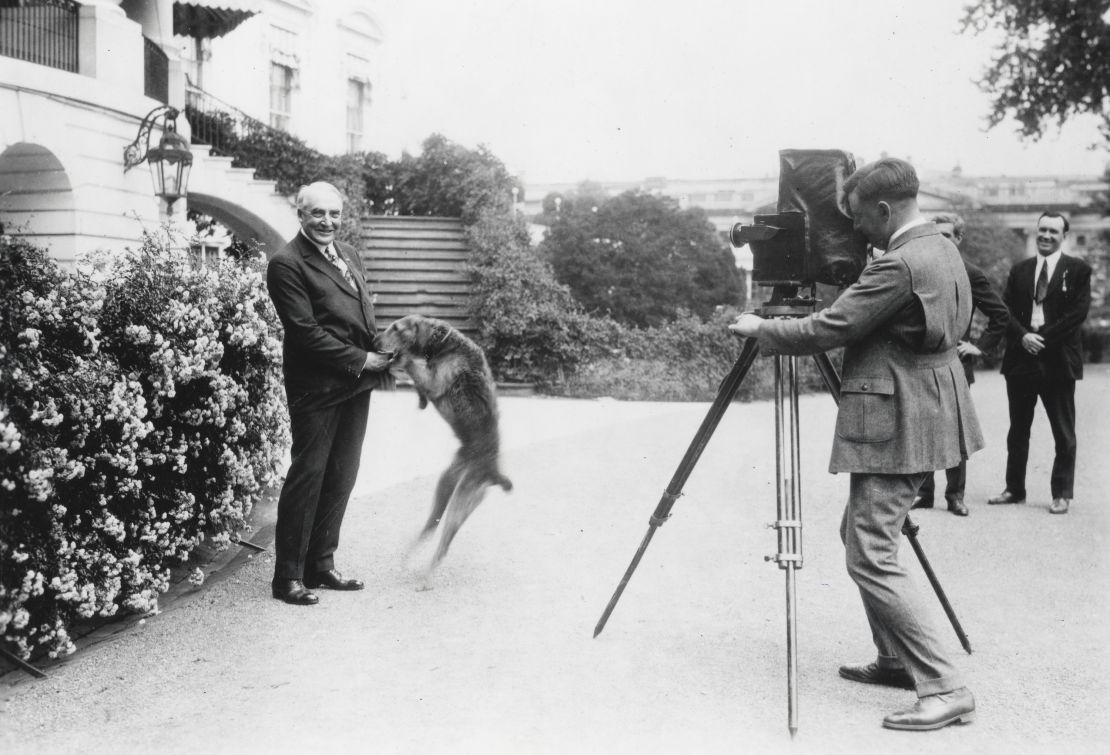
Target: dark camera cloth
pixel 905 406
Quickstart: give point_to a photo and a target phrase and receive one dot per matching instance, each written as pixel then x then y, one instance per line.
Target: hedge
pixel 141 414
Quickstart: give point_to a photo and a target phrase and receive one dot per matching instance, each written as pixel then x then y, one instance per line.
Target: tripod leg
pixel 909 529
pixel 789 522
pixel 725 394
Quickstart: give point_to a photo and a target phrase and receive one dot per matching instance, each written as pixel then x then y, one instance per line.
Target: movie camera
pixel 811 238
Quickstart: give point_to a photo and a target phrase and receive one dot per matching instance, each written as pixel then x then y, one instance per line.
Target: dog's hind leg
pixel 468 494
pixel 445 488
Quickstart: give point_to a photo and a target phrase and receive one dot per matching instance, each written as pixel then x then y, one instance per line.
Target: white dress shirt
pixel 1036 320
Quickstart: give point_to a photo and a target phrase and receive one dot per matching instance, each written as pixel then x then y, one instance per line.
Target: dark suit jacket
pixel 904 402
pixel 329 327
pixel 984 299
pixel 1065 308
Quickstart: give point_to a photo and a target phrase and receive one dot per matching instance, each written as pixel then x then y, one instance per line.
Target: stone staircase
pixel 417 265
pixel 251 208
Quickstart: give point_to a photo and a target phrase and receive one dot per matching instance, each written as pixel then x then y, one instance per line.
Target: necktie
pixel 1042 284
pixel 341 266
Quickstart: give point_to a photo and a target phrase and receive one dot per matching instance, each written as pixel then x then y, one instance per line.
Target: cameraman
pixel 905 410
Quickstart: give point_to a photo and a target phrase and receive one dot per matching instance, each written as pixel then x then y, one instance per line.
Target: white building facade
pixel 77 80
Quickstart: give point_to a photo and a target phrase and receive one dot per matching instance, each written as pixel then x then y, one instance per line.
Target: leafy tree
pixel 1053 61
pixel 991 246
pixel 528 323
pixel 450 180
pixel 639 258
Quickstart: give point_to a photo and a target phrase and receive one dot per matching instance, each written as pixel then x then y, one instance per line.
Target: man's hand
pixel 376 361
pixel 967 349
pixel 1033 343
pixel 747 325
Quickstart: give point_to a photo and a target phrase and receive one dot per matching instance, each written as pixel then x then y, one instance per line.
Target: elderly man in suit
pixel 984 299
pixel 905 410
pixel 1049 296
pixel 330 366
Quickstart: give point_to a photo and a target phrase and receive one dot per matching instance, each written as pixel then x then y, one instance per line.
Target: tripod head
pixel 789 300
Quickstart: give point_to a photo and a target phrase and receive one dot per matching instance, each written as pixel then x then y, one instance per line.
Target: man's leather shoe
pixel 332 580
pixel 921 502
pixel 957 507
pixel 935 712
pixel 873 673
pixel 1059 506
pixel 293 591
pixel 1006 497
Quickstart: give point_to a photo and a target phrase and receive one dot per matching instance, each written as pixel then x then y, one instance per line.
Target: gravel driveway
pixel 499 657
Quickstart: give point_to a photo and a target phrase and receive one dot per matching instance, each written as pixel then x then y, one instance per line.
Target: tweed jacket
pixel 905 406
pixel 329 326
pixel 1065 309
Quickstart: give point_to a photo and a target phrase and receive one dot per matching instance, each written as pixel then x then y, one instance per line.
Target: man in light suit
pixel 984 299
pixel 905 410
pixel 1048 296
pixel 330 366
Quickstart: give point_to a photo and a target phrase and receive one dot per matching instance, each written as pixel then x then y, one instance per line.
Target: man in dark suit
pixel 1048 296
pixel 984 299
pixel 905 410
pixel 330 366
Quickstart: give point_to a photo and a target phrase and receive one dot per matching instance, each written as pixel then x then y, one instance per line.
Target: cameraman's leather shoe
pixel 1006 497
pixel 922 502
pixel 873 673
pixel 1059 506
pixel 935 712
pixel 293 591
pixel 332 580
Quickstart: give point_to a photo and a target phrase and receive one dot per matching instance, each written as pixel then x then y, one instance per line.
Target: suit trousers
pixel 327 448
pixel 955 482
pixel 901 624
pixel 1058 397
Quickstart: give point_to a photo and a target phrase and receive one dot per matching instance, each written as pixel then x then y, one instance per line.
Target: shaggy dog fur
pixel 450 371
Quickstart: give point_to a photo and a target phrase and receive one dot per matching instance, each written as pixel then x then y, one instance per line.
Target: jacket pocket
pixel 867 410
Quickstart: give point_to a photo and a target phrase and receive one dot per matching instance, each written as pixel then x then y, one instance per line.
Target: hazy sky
pixel 564 90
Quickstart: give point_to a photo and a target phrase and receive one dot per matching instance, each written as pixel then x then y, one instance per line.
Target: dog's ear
pixel 404 330
pixel 420 330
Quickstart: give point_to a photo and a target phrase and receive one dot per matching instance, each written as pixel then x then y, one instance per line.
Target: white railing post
pixel 111 46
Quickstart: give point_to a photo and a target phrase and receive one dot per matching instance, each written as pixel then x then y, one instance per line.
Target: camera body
pixel 811 238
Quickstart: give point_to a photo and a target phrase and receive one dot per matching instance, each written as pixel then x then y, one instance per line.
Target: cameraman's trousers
pixel 901 621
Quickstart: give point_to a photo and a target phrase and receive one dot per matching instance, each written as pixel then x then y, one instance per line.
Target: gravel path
pixel 499 657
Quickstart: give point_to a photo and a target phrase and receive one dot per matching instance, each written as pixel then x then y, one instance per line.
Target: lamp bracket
pixel 135 152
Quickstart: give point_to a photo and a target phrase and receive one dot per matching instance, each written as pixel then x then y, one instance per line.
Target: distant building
pixel 1015 201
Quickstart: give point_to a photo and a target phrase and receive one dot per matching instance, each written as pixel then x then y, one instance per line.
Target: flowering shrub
pixel 140 414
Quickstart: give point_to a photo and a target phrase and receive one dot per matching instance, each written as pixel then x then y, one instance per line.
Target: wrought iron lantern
pixel 170 161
